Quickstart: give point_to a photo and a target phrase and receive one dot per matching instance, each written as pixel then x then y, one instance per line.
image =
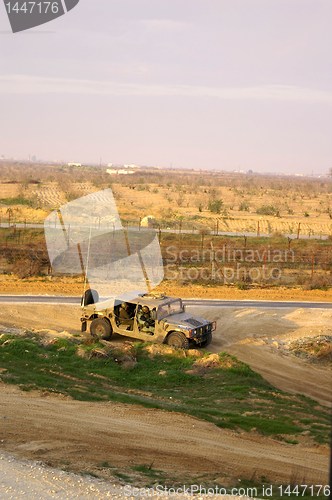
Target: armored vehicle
pixel 148 317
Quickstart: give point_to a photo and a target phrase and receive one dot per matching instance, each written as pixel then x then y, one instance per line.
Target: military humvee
pixel 148 317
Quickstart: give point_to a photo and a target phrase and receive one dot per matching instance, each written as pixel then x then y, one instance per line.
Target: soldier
pixel 145 321
pixel 124 315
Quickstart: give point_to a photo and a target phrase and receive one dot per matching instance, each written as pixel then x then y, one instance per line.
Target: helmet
pixel 145 309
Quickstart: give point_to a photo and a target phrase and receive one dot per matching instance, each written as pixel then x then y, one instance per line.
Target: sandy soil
pixel 68 286
pixel 83 435
pixel 33 480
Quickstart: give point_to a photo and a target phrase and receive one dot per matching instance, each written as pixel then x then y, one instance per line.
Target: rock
pixel 98 353
pixel 81 353
pixel 194 353
pixel 129 364
pixel 161 349
pixel 7 342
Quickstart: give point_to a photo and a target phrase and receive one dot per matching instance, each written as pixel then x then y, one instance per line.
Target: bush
pixel 244 207
pixel 318 282
pixel 267 210
pixel 25 268
pixel 242 285
pixel 215 206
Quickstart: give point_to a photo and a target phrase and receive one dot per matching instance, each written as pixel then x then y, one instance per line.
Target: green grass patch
pixel 124 477
pixel 230 396
pixel 17 200
pixel 148 471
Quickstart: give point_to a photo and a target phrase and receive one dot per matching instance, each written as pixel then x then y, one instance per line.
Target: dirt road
pixel 84 435
pixel 260 339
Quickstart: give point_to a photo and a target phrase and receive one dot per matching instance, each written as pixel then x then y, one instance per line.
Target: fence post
pixel 298 230
pixel 289 242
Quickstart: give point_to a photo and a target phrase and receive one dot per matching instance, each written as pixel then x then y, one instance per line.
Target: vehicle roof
pixel 152 300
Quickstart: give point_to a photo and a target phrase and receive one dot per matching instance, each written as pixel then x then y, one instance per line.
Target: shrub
pixel 267 210
pixel 319 282
pixel 244 207
pixel 242 285
pixel 27 267
pixel 215 206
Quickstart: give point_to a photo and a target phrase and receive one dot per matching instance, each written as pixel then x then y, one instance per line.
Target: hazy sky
pixel 227 84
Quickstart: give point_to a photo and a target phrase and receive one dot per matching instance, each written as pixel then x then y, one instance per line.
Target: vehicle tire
pixel 101 328
pixel 177 340
pixel 206 342
pixel 90 297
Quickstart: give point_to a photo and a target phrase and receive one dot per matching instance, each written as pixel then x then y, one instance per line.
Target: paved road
pixel 57 299
pixel 320 236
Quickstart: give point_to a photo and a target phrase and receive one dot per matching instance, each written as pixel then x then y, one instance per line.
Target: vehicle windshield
pixel 174 307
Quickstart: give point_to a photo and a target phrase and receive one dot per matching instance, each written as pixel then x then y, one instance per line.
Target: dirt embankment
pixel 83 435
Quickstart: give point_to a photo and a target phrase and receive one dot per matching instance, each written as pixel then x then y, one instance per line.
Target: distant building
pixel 72 164
pixel 120 171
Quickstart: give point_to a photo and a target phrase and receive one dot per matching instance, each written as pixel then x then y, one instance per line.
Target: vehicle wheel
pixel 90 297
pixel 101 328
pixel 177 340
pixel 207 342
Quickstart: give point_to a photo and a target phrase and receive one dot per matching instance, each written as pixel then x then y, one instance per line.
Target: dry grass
pixel 175 197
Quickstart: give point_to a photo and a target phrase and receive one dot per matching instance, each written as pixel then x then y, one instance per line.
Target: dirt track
pixel 257 336
pixel 82 435
pixel 86 435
